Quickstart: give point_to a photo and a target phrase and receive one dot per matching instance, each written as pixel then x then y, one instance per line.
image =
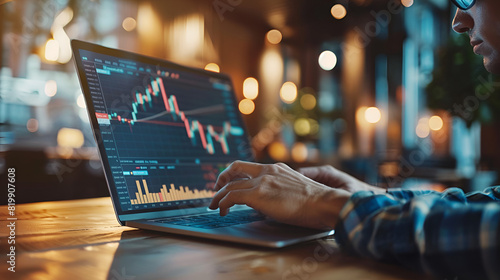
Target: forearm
pixel 445 237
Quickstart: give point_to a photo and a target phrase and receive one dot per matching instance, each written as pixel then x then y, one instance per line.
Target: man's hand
pixel 337 179
pixel 279 192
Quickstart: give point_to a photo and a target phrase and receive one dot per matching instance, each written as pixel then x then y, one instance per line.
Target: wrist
pixel 375 190
pixel 329 207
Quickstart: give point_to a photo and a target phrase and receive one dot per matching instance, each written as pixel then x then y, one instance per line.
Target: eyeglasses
pixel 464 4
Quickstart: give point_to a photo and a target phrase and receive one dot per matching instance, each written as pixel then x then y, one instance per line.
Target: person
pixel 449 234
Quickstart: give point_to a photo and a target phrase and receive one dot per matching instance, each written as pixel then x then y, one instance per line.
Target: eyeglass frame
pixel 464 8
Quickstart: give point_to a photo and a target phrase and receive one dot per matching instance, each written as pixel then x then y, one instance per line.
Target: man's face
pixel 482 22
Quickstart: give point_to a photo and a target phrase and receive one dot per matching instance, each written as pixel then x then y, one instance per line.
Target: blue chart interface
pixel 167 133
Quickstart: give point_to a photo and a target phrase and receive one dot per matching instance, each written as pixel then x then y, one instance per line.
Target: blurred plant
pixel 462 86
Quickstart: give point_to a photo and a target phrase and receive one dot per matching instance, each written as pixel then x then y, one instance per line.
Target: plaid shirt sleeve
pixel 449 234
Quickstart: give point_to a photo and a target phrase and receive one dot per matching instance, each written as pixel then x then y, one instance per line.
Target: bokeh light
pixel 373 115
pixel 407 3
pixel 327 60
pixel 299 152
pixel 50 88
pixel 274 36
pixel 422 128
pixel 52 50
pixel 436 123
pixel 212 67
pixel 308 101
pixel 246 106
pixel 80 101
pixel 250 88
pixel 302 126
pixel 70 138
pixel 278 151
pixel 129 24
pixel 338 11
pixel 32 125
pixel 60 36
pixel 288 92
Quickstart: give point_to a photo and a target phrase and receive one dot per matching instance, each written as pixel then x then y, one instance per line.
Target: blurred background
pixel 382 89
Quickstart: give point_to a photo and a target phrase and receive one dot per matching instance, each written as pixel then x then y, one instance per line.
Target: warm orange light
pixel 338 11
pixel 436 123
pixel 278 151
pixel 288 92
pixel 64 152
pixel 407 3
pixel 246 106
pixel 62 19
pixel 129 24
pixel 212 67
pixel 70 138
pixel 52 50
pixel 308 101
pixel 373 115
pixel 299 152
pixel 250 88
pixel 274 36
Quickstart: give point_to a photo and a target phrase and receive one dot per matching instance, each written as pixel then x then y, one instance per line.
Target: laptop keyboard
pixel 214 220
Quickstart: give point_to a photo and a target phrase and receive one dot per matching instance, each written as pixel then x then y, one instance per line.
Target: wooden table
pixel 81 239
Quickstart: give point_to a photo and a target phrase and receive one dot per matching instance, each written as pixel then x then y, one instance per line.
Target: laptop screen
pixel 164 131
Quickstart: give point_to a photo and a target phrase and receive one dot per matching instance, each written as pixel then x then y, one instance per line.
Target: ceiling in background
pixel 306 19
pixel 302 19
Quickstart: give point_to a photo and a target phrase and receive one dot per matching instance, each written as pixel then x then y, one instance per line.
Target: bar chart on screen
pixel 152 183
pixel 172 193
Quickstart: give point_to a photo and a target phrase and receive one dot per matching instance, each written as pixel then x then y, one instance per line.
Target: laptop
pixel 164 133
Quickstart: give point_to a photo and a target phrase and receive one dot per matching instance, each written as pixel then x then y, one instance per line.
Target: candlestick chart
pixel 173 117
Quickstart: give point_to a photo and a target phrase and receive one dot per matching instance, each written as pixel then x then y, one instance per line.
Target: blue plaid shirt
pixel 449 234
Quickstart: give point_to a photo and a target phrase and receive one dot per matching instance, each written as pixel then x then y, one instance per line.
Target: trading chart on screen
pixel 167 133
